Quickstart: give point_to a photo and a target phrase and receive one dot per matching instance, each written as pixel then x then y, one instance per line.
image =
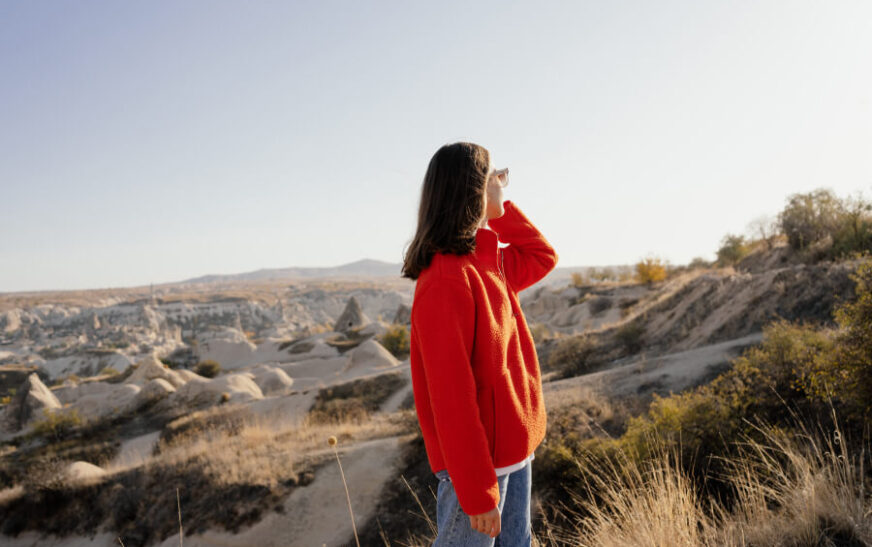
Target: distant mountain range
pixel 361 268
pixel 364 268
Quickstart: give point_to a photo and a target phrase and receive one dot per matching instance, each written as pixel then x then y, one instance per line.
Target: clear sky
pixel 156 141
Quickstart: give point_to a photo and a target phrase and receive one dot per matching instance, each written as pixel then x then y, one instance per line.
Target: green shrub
pixel 573 356
pixel 57 424
pixel 854 233
pixel 630 336
pixel 355 400
pixel 842 369
pixel 699 262
pixel 733 249
pixel 810 217
pixel 396 340
pixel 599 305
pixel 208 368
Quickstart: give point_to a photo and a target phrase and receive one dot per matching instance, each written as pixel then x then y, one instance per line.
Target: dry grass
pixel 792 491
pixel 244 448
pixel 806 491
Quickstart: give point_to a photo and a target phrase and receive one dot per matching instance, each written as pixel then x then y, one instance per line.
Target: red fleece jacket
pixel 475 372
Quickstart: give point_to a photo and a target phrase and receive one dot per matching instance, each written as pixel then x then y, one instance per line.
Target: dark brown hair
pixel 452 205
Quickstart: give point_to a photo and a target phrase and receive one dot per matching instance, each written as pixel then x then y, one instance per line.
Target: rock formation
pixel 353 317
pixel 31 398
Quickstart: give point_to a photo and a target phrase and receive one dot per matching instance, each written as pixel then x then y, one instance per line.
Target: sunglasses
pixel 502 176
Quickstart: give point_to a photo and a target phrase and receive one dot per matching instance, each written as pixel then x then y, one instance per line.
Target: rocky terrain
pixel 126 365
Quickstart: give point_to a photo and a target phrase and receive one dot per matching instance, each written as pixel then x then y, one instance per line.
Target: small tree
pixel 698 262
pixel 810 217
pixel 574 356
pixel 733 249
pixel 764 228
pixel 208 368
pixel 631 336
pixel 855 228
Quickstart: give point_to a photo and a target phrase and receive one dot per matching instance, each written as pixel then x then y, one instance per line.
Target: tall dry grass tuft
pixel 627 503
pixel 807 489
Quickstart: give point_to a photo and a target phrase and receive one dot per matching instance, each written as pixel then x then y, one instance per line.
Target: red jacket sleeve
pixel 444 327
pixel 528 257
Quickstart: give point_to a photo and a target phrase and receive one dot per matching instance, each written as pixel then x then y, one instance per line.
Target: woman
pixel 475 373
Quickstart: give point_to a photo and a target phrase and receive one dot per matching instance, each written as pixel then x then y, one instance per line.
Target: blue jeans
pixel 454 530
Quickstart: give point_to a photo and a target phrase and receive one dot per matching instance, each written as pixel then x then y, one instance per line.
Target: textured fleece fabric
pixel 475 372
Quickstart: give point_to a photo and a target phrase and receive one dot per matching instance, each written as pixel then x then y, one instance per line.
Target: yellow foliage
pixel 650 270
pixel 396 340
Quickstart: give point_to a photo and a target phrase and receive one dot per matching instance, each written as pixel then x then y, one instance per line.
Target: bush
pixel 855 229
pixel 573 356
pixel 699 262
pixel 810 217
pixel 603 274
pixel 109 371
pixel 650 270
pixel 57 424
pixel 396 340
pixel 208 368
pixel 540 332
pixel 630 336
pixel 842 368
pixel 599 305
pixel 579 280
pixel 355 400
pixel 733 249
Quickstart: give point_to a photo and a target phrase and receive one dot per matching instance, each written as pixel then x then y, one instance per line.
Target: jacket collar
pixel 486 245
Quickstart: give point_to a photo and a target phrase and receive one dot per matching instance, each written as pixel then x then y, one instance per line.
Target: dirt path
pixel 394 401
pixel 317 514
pixel 671 372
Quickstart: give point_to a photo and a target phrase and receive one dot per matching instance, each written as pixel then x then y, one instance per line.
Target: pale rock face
pixel 150 368
pixel 403 315
pixel 376 328
pixel 352 317
pixel 371 354
pixel 80 471
pixel 11 321
pixel 75 364
pixel 206 392
pixel 271 380
pixel 314 368
pixel 229 347
pixel 320 349
pixel 546 304
pixel 187 375
pixel 31 398
pixel 154 390
pixel 268 351
pixel 103 400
